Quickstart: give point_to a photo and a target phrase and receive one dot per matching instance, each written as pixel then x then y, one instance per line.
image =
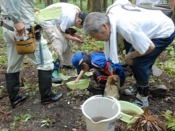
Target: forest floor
pixel 66 114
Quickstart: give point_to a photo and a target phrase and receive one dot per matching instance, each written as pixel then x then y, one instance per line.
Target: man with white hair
pixel 148 31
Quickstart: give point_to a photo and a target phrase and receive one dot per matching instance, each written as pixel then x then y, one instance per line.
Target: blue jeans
pixel 142 65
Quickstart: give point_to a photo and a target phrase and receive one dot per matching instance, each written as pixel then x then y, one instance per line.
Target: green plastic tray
pixel 83 84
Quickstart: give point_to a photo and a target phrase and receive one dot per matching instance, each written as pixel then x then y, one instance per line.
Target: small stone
pixel 156 71
pixel 74 129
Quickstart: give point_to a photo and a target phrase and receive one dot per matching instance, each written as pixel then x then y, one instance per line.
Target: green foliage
pixel 23 118
pixel 45 122
pixel 32 94
pixel 37 89
pixel 169 67
pixel 20 118
pixel 26 85
pixel 54 90
pixel 171 50
pixel 3 57
pixel 1 35
pixel 54 55
pixel 3 60
pixel 84 5
pixel 42 5
pixel 1 90
pixel 170 120
pixel 39 5
pixel 90 44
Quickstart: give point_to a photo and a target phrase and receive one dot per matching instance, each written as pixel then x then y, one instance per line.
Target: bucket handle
pixel 92 97
pixel 110 97
pixel 116 101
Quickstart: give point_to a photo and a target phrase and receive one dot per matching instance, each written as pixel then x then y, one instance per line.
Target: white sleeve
pixel 65 23
pixel 140 41
pixel 13 9
pixel 135 36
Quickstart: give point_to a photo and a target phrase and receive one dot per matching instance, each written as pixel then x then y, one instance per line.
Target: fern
pixel 170 120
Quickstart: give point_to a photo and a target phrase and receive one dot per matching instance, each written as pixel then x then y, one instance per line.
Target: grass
pixel 3 57
pixel 1 35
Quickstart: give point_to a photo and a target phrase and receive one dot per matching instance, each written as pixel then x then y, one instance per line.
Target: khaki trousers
pixel 60 44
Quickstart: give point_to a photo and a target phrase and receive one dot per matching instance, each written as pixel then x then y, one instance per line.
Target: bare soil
pixel 65 115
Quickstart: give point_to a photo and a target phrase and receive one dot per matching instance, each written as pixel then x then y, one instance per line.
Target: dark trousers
pixel 142 65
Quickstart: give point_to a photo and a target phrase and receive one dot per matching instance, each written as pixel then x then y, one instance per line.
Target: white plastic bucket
pixel 101 113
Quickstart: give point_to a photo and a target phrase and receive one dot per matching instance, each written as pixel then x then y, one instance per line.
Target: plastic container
pixel 101 113
pixel 130 112
pixel 82 84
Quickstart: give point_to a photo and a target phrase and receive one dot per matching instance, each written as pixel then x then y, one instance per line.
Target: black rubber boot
pixel 45 83
pixel 12 82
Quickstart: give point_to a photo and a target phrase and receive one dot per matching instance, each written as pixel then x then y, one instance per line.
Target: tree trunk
pixel 63 0
pixel 81 4
pixel 48 2
pixel 95 5
pixel 89 6
pixel 105 4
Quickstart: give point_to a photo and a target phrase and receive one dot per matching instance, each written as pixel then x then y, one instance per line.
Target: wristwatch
pixel 130 56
